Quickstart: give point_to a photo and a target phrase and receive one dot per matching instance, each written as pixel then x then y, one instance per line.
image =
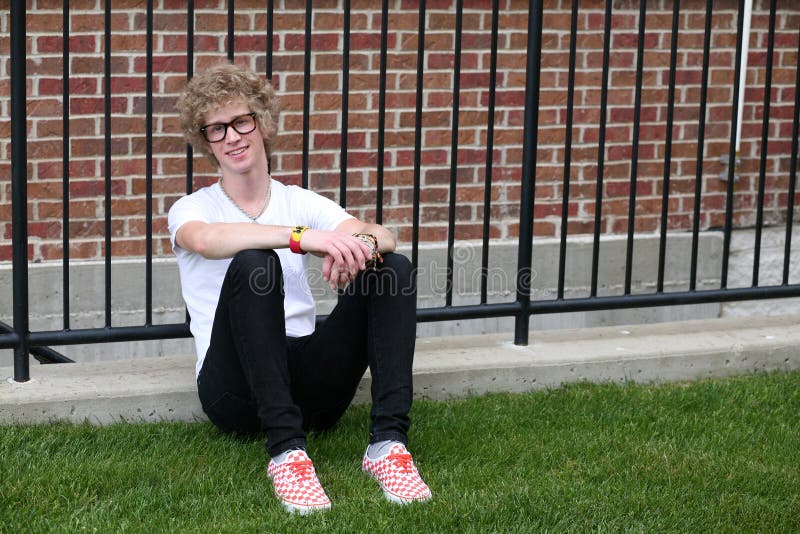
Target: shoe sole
pixel 305 510
pixel 393 498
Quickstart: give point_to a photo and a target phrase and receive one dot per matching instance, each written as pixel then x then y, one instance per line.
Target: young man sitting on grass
pixel 262 366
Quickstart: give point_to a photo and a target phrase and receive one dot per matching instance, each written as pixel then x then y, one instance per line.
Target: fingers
pixel 327 263
pixel 345 256
pixel 338 275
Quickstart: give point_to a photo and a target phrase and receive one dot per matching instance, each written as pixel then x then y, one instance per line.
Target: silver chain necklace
pixel 252 218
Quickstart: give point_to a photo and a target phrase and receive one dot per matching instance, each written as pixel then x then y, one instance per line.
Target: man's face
pixel 237 153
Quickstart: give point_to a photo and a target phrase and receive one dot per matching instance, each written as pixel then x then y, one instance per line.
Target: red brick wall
pixel 86 167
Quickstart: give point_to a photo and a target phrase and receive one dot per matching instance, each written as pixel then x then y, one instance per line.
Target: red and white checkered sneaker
pixel 397 476
pixel 296 484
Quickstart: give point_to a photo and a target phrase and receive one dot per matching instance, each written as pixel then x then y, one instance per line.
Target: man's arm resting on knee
pixel 346 255
pixel 386 240
pixel 338 275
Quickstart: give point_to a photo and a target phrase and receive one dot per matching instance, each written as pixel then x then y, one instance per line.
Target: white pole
pixel 748 15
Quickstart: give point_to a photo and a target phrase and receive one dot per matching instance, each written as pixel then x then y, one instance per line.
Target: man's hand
pixel 343 256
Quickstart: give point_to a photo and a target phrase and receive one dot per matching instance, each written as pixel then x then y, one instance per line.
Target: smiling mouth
pixel 237 151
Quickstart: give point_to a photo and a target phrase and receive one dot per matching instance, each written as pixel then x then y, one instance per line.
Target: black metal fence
pixel 25 342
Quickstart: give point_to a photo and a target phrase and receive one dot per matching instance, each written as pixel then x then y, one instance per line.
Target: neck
pixel 251 196
pixel 245 187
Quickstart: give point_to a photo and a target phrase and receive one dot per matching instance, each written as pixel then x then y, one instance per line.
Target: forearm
pixel 386 240
pixel 224 240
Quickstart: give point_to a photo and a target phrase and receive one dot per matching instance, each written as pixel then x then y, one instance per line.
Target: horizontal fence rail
pixel 538 74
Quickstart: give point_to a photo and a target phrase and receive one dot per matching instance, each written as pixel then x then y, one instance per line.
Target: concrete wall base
pixel 163 389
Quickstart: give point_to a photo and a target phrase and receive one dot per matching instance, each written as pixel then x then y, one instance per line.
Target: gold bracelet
pixel 372 242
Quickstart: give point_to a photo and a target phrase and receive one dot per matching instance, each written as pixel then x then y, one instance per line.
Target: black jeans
pixel 256 379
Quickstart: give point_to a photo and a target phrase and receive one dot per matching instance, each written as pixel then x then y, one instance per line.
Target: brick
pixel 161 145
pixel 250 42
pixel 510 98
pixel 44 170
pixel 96 106
pixel 125 247
pixel 82 168
pixel 94 228
pixel 82 250
pixel 93 188
pixel 47 128
pixel 365 41
pixel 43 107
pixel 44 230
pixel 81 209
pixel 128 84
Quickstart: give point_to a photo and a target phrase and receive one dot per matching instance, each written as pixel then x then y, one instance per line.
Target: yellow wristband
pixel 294 239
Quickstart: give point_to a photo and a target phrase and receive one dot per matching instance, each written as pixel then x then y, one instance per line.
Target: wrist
pixel 294 239
pixel 372 242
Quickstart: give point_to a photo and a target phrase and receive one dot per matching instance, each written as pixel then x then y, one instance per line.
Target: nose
pixel 232 135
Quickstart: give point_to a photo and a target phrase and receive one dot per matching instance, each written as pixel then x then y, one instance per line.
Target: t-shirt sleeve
pixel 184 210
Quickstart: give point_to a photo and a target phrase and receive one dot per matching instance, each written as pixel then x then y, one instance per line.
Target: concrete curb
pixel 163 389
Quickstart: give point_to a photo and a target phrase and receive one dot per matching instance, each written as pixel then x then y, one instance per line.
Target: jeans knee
pixel 253 258
pixel 402 269
pixel 260 268
pixel 397 262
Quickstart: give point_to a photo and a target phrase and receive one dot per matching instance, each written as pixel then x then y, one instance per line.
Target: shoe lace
pixel 302 470
pixel 402 461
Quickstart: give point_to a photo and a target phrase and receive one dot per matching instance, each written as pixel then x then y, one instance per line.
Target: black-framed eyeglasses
pixel 243 124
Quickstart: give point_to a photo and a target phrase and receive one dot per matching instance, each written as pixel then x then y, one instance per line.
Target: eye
pixel 215 128
pixel 241 122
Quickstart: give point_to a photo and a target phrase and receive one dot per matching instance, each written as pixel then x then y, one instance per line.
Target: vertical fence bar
pixel 637 113
pixel 148 257
pixel 65 166
pixel 382 110
pixel 231 29
pixel 726 242
pixel 189 74
pixel 701 136
pixel 306 91
pixel 269 53
pixel 451 220
pixel 787 242
pixel 762 171
pixel 19 189
pixel 601 149
pixel 107 160
pixel 345 104
pixel 270 35
pixel 662 242
pixel 562 251
pixel 530 145
pixel 487 193
pixel 418 135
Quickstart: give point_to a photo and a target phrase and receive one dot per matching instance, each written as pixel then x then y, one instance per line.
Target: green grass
pixel 720 455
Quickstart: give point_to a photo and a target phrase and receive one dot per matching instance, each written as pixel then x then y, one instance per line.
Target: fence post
pixel 19 190
pixel 529 147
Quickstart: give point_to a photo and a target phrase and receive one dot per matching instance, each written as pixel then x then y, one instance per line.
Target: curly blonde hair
pixel 216 87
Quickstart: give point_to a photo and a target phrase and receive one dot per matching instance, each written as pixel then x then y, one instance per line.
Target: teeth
pixel 236 152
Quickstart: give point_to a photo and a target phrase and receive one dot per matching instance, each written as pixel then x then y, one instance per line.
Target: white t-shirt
pixel 201 278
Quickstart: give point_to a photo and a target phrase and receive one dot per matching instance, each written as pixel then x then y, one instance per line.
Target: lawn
pixel 717 455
